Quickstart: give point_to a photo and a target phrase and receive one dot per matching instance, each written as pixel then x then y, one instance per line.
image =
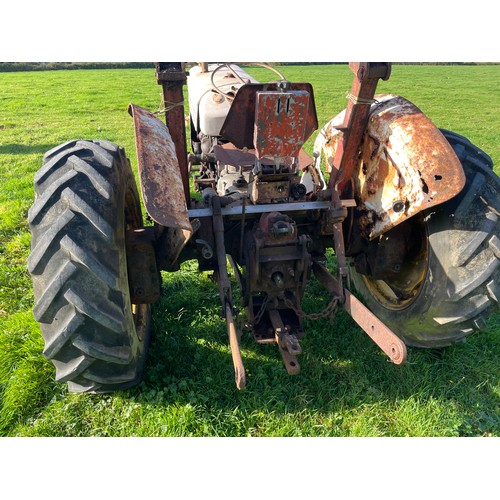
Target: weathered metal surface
pixel 160 179
pixel 262 192
pixel 328 142
pixel 366 77
pixel 239 369
pixel 299 206
pixel 280 123
pixel 276 228
pixel 276 261
pixel 226 294
pixel 406 165
pixel 228 154
pixel 366 70
pixel 143 275
pixel 170 72
pixel 287 343
pixel 172 76
pixel 383 336
pixel 238 127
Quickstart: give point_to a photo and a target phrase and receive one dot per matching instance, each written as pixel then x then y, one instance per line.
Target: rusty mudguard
pixel 160 179
pixel 405 166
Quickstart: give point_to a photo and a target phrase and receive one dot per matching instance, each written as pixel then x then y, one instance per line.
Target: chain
pixel 328 311
pixel 258 316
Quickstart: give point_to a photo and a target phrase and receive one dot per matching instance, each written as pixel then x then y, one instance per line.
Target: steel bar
pixel 385 338
pixel 381 334
pixel 226 295
pixel 239 369
pixel 366 77
pixel 290 360
pixel 172 77
pixel 269 207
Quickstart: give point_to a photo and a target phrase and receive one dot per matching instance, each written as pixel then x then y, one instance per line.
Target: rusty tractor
pixel 410 212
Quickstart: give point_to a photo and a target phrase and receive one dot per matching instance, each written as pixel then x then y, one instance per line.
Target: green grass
pixel 346 388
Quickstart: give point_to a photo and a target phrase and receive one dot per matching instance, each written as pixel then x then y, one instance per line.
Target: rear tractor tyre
pixel 85 200
pixel 450 279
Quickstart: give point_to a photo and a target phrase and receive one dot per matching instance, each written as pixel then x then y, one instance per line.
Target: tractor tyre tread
pixel 78 267
pixel 460 289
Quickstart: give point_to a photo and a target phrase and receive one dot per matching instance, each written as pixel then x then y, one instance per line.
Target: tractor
pixel 409 211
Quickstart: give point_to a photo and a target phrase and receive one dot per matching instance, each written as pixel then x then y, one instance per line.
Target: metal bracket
pixel 143 275
pixel 170 72
pixel 288 344
pixel 250 210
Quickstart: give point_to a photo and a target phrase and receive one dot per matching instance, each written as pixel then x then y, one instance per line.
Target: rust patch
pixel 280 123
pixel 143 275
pixel 406 164
pixel 382 335
pixel 328 140
pixel 238 127
pixel 160 177
pixel 230 155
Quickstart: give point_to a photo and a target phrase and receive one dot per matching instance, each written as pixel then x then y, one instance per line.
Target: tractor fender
pixel 406 165
pixel 160 179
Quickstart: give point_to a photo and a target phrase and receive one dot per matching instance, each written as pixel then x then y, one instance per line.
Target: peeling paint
pixel 405 161
pixel 160 177
pixel 280 115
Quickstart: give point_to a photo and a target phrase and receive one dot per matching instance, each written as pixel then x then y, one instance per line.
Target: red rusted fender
pixel 406 164
pixel 160 178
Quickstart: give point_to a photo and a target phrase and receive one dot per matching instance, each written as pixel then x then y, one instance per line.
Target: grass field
pixel 346 388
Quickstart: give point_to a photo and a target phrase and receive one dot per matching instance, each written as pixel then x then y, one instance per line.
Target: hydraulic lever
pixel 226 295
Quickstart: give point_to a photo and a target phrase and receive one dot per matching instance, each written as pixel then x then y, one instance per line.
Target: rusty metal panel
pixel 269 192
pixel 329 140
pixel 238 127
pixel 160 177
pixel 280 123
pixel 230 155
pixel 143 275
pixel 406 165
pixel 360 99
